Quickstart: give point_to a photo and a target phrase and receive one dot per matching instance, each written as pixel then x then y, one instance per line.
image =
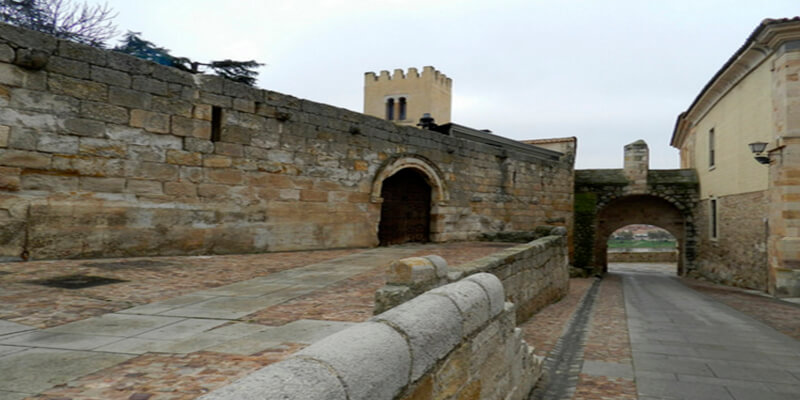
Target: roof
pixel 552 140
pixel 752 40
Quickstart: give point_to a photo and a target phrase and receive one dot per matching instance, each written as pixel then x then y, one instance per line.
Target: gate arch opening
pixel 406 208
pixel 642 247
pixel 639 209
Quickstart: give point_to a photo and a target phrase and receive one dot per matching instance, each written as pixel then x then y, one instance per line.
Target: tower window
pixel 714 229
pixel 390 109
pixel 401 110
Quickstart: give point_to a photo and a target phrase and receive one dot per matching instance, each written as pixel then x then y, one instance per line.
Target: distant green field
pixel 654 244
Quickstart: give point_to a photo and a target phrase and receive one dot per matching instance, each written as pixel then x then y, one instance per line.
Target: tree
pixel 239 71
pixel 82 23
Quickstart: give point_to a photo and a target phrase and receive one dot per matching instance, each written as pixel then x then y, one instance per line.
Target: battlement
pixel 428 73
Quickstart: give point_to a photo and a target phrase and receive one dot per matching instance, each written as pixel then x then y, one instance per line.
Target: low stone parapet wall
pixel 455 341
pixel 533 274
pixel 643 256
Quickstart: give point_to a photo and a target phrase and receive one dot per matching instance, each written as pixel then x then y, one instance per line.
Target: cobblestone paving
pixel 543 329
pixel 780 315
pixel 186 376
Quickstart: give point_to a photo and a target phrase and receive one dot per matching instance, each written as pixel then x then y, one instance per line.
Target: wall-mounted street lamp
pixel 757 148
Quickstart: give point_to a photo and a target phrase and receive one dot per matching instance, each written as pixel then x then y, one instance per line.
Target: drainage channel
pixel 563 366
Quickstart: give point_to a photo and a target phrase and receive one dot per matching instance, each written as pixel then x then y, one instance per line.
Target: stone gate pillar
pixel 784 174
pixel 637 162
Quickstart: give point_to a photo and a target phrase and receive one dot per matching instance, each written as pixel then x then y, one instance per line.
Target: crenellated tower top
pixel 403 97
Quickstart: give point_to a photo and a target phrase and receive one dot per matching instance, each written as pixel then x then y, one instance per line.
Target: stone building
pixel 103 154
pixel 405 97
pixel 747 221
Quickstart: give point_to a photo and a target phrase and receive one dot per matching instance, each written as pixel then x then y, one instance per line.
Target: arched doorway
pixel 639 209
pixel 406 208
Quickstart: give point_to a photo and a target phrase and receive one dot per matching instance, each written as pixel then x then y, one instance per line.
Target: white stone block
pixel 471 300
pixel 493 288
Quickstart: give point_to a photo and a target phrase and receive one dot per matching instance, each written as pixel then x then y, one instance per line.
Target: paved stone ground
pixel 181 326
pixel 737 343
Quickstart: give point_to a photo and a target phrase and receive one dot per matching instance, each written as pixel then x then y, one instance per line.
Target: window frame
pixel 713 218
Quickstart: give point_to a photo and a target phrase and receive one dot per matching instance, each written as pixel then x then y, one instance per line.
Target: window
pixel 390 109
pixel 216 123
pixel 401 112
pixel 712 214
pixel 711 149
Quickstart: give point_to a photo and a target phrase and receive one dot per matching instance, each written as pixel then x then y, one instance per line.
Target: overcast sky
pixel 608 72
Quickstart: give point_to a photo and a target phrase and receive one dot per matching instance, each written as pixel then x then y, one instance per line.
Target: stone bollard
pixel 408 278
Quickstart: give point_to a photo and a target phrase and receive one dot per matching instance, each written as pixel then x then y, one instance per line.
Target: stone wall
pixel 667 256
pixel 458 341
pixel 102 154
pixel 533 275
pixel 738 256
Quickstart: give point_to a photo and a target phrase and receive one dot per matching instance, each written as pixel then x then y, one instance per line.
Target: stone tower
pixel 404 98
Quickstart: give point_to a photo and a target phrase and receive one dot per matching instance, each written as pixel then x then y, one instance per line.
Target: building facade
pixel 404 98
pixel 748 218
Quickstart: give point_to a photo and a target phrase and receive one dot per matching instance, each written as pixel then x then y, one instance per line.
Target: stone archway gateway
pixel 411 191
pixel 608 199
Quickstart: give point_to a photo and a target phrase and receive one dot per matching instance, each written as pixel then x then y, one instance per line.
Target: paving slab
pixel 58 340
pixel 5 395
pixel 602 368
pixel 182 329
pixel 116 325
pixel 6 350
pixel 166 305
pixel 304 331
pixel 35 370
pixel 225 307
pixel 8 327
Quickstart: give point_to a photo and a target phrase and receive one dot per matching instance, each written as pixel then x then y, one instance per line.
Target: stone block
pixel 23 139
pixel 12 75
pixel 150 121
pixel 411 271
pixel 229 149
pixel 104 185
pixel 102 147
pixel 61 144
pixel 104 112
pixel 372 359
pixel 184 158
pixel 244 105
pixel 141 186
pixel 182 126
pixel 198 145
pixel 149 85
pixel 139 137
pixel 54 183
pixel 129 98
pixel 24 159
pixel 236 134
pixel 5 132
pixel 313 195
pixel 36 100
pixel 471 300
pixel 215 161
pixel 494 290
pixel 9 179
pixel 81 52
pixel 202 112
pixel 439 263
pixel 127 63
pixel 155 171
pixel 293 379
pixel 215 99
pixel 173 75
pixel 172 106
pixel 6 53
pixel 66 66
pixel 110 76
pixel 224 175
pixel 213 191
pixel 85 127
pixel 79 88
pixel 433 326
pixel 192 174
pixel 180 189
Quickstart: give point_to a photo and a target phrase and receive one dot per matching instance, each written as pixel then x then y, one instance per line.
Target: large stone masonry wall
pixel 533 275
pixel 739 255
pixel 103 154
pixel 458 341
